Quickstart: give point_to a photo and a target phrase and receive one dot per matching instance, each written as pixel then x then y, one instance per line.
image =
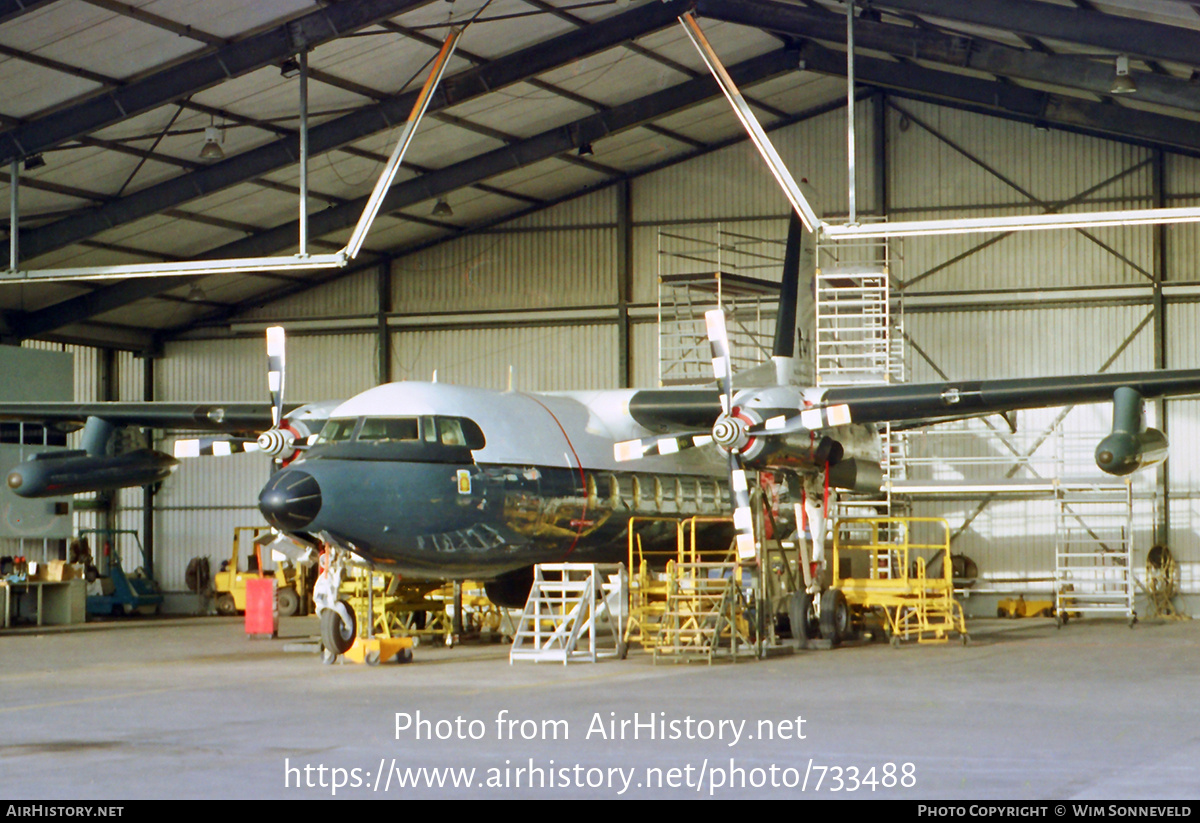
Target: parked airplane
pixel 450 482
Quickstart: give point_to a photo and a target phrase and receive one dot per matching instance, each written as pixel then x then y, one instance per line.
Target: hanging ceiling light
pixel 34 161
pixel 196 294
pixel 212 146
pixel 585 150
pixel 1122 82
pixel 442 209
pixel 289 68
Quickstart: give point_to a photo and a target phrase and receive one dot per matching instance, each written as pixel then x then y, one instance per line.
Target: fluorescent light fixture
pixel 1028 222
pixel 184 268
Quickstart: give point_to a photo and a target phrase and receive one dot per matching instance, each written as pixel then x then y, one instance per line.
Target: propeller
pixel 275 441
pixel 730 433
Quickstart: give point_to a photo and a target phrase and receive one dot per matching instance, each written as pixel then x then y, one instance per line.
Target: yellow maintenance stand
pixel 694 608
pixel 881 567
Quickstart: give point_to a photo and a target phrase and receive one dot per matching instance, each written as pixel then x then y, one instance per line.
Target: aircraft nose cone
pixel 290 500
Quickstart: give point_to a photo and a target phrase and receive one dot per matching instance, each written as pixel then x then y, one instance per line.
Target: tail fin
pixel 795 328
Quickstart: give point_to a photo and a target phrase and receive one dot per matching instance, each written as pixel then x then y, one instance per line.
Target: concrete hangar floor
pixel 191 708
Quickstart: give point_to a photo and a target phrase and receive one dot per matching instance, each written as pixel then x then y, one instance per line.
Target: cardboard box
pixel 58 570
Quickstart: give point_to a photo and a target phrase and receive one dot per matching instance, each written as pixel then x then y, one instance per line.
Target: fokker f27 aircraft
pixel 430 480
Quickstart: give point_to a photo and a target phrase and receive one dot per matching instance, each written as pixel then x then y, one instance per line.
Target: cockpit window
pixel 388 429
pixel 425 431
pixel 338 430
pixel 450 431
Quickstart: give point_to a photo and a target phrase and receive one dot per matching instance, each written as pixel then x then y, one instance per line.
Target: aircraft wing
pixel 216 417
pixel 917 404
pixel 928 401
pixel 768 420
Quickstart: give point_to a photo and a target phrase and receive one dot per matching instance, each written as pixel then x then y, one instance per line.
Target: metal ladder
pixel 703 613
pixel 860 341
pixel 1093 551
pixel 569 602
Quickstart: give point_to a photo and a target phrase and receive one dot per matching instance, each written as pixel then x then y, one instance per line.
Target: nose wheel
pixel 339 627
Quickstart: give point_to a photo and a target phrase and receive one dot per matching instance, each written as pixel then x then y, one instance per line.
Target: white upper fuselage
pixel 568 429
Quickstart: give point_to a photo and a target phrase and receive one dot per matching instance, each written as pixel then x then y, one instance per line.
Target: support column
pixel 383 306
pixel 624 281
pixel 1162 490
pixel 106 388
pixel 148 492
pixel 879 151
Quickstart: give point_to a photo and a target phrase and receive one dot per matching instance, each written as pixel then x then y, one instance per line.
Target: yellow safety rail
pixel 649 586
pixel 703 614
pixel 889 574
pixel 397 606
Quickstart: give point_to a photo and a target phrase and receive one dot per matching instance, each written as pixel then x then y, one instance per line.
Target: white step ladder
pixel 1093 554
pixel 570 602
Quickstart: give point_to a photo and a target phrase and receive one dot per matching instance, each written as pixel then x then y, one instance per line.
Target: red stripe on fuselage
pixel 582 480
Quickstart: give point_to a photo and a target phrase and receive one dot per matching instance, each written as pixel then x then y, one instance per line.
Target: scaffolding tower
pixel 860 341
pixel 706 267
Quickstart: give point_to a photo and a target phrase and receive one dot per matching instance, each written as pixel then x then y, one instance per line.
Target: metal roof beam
pixel 12 9
pixel 193 75
pixel 1118 34
pixel 1098 119
pixel 1089 75
pixel 525 152
pixel 503 71
pixel 429 186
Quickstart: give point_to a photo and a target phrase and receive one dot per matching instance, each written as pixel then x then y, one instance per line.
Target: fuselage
pixel 435 480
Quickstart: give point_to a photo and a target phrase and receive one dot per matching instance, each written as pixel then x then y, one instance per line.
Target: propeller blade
pixel 812 419
pixel 276 350
pixel 718 339
pixel 637 449
pixel 743 518
pixel 213 447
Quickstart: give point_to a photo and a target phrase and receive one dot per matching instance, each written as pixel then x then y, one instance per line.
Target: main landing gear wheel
pixel 835 616
pixel 800 615
pixel 338 628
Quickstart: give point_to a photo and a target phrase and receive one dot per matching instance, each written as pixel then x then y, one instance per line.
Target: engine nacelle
pixel 1131 446
pixel 1123 453
pixel 57 474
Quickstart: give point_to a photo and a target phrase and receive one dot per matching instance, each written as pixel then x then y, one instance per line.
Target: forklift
pixel 293 583
pixel 115 591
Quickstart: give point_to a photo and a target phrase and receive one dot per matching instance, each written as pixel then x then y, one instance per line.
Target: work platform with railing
pixel 898 568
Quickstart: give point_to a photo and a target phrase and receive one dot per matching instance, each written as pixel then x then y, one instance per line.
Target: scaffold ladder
pixel 1093 553
pixel 860 341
